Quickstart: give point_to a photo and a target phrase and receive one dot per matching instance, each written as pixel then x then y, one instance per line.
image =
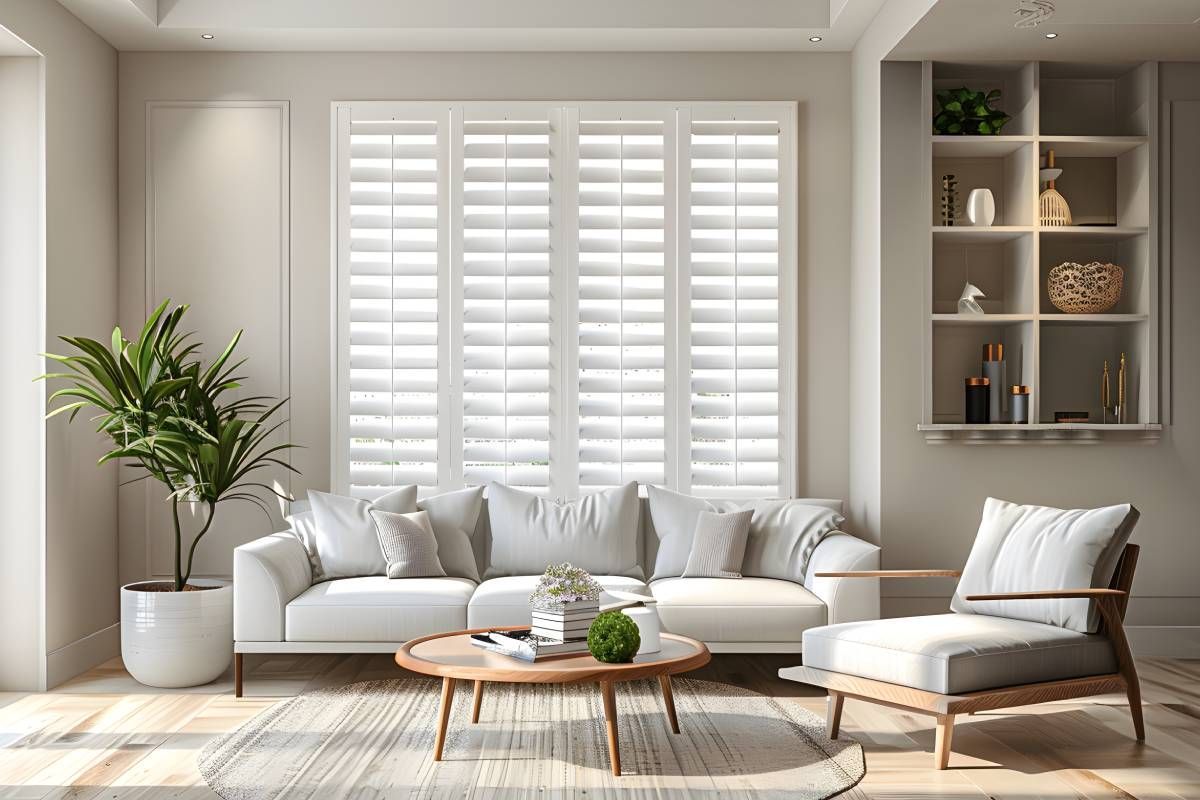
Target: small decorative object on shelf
pixel 1121 406
pixel 981 207
pixel 1085 288
pixel 993 370
pixel 613 638
pixel 1071 417
pixel 1052 206
pixel 967 304
pixel 564 603
pixel 1018 407
pixel 966 112
pixel 976 406
pixel 1105 394
pixel 949 200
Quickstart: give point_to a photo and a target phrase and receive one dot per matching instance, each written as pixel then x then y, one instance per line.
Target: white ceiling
pixel 1088 30
pixel 672 25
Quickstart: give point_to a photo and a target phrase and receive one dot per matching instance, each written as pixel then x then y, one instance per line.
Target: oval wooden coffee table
pixel 453 658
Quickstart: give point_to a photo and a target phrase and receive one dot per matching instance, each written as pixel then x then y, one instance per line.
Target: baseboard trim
pixel 82 654
pixel 1172 641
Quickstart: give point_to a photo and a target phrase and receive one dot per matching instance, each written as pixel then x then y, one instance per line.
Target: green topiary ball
pixel 613 638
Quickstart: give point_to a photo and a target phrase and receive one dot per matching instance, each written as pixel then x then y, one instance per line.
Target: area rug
pixel 375 740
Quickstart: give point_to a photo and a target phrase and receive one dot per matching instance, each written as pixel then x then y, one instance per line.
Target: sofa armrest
pixel 846 599
pixel 268 573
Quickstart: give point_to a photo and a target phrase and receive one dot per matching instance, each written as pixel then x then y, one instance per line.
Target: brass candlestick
pixel 1121 412
pixel 1105 394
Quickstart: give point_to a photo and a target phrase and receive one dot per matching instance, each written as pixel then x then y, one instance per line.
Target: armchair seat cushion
pixel 505 601
pixel 737 610
pixel 378 609
pixel 957 653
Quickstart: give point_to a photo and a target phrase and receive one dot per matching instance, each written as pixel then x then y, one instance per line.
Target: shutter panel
pixel 622 302
pixel 393 305
pixel 735 308
pixel 506 270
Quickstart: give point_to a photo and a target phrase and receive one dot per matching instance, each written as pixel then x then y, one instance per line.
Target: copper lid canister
pixel 977 382
pixel 993 352
pixel 1019 389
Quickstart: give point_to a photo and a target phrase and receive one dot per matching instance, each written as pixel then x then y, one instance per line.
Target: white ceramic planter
pixel 981 207
pixel 176 639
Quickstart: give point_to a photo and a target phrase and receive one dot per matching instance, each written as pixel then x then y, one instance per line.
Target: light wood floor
pixel 104 736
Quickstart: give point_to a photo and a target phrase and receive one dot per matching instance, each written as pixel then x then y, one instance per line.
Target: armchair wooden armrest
pixel 1052 594
pixel 893 573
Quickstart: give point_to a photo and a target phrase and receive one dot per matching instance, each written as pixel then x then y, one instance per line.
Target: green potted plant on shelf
pixel 175 420
pixel 966 112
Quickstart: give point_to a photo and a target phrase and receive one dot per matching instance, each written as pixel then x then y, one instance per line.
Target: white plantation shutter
pixel 735 292
pixel 622 295
pixel 566 297
pixel 507 208
pixel 393 304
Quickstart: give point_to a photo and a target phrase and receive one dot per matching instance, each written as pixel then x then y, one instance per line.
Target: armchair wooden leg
pixel 833 714
pixel 1134 690
pixel 237 674
pixel 945 734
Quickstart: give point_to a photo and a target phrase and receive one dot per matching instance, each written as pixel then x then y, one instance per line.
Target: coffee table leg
pixel 669 700
pixel 610 720
pixel 477 702
pixel 443 716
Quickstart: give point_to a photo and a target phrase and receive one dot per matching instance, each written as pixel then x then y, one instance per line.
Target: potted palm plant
pixel 176 421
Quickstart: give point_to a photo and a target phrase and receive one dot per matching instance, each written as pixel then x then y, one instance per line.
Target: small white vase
pixel 981 207
pixel 177 639
pixel 649 628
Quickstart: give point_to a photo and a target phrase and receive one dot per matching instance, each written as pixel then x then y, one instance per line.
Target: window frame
pixel 564 449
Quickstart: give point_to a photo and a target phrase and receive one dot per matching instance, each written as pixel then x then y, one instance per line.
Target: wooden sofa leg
pixel 237 674
pixel 945 734
pixel 833 715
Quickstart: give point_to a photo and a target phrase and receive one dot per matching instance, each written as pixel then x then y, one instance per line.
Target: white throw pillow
pixel 304 525
pixel 1036 548
pixel 346 542
pixel 783 533
pixel 453 516
pixel 408 544
pixel 597 533
pixel 719 545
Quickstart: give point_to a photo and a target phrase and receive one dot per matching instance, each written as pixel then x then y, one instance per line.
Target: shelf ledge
pixel 1040 433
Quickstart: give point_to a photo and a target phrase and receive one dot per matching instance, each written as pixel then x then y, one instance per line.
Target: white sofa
pixel 278 609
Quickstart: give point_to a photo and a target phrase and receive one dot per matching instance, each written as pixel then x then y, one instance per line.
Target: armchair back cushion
pixel 1037 548
pixel 598 532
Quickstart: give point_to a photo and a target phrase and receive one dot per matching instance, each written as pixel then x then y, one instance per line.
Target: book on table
pixel 523 644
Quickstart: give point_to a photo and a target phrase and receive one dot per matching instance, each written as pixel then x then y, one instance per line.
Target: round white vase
pixel 177 639
pixel 981 207
pixel 649 628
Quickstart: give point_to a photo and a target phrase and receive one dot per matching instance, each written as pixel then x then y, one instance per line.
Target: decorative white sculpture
pixel 966 301
pixel 981 207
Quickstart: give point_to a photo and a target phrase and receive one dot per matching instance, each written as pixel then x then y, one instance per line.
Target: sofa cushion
pixel 377 609
pixel 718 545
pixel 597 532
pixel 956 653
pixel 743 610
pixel 345 538
pixel 408 544
pixel 1035 548
pixel 783 533
pixel 505 601
pixel 453 516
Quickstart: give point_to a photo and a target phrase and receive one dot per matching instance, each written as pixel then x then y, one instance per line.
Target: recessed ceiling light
pixel 1051 35
pixel 814 38
pixel 207 36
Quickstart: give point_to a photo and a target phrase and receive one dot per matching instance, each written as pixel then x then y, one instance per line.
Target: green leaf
pixel 985 128
pixel 953 106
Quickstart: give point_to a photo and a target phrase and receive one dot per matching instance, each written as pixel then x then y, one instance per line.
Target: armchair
pixel 999 648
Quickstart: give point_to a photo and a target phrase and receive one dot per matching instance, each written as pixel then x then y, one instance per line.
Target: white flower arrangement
pixel 563 583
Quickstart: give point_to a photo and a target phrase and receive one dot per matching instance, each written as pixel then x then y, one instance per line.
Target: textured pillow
pixel 597 532
pixel 719 545
pixel 408 544
pixel 1032 548
pixel 345 539
pixel 783 533
pixel 453 516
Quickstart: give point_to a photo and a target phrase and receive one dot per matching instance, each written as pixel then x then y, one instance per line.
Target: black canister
pixel 977 401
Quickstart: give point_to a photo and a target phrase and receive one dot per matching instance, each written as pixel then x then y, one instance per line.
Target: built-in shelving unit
pixel 1101 122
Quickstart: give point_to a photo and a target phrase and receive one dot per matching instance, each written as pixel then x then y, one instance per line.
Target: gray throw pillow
pixel 408 544
pixel 719 545
pixel 344 535
pixel 453 517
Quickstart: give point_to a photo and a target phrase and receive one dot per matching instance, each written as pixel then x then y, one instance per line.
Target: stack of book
pixel 523 644
pixel 565 622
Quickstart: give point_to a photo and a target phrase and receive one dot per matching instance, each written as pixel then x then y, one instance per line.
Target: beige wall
pixel 80 298
pixel 932 495
pixel 309 82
